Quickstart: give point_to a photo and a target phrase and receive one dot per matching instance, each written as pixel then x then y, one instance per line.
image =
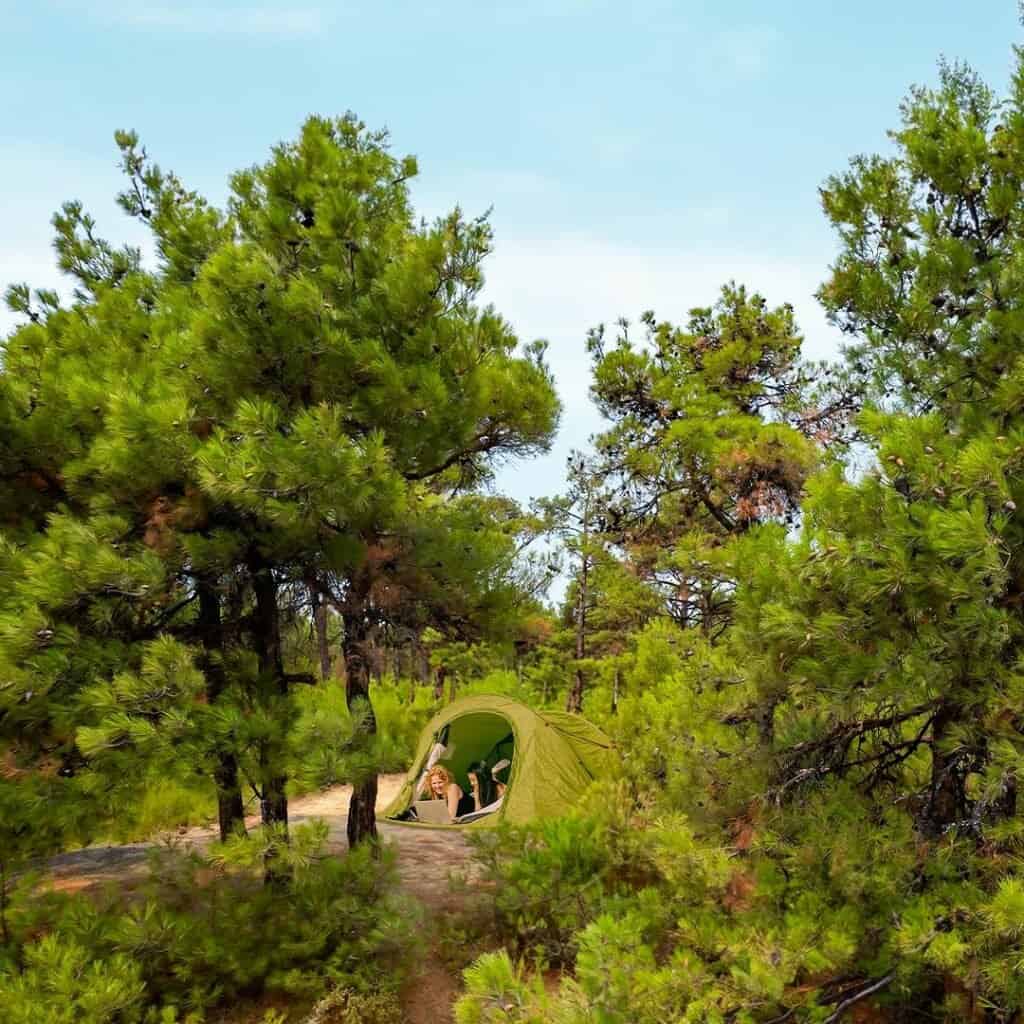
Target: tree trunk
pixel 947 794
pixel 615 690
pixel 439 678
pixel 421 661
pixel 766 724
pixel 362 824
pixel 5 931
pixel 320 623
pixel 705 607
pixel 267 637
pixel 230 808
pixel 574 703
pixel 374 655
pixel 340 672
pixel 274 805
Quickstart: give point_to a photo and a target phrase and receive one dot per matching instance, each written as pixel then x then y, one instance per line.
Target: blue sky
pixel 636 156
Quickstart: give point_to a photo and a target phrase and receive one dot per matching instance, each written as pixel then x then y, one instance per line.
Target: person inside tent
pixel 483 788
pixel 437 751
pixel 441 785
pixel 488 786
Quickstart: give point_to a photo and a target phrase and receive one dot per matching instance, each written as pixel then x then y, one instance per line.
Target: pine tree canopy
pixel 291 387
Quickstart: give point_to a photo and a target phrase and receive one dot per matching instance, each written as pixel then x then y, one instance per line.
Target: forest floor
pixel 426 858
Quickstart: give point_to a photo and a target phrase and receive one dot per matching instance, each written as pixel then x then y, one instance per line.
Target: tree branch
pixel 857 997
pixel 306 678
pixel 484 443
pixel 169 613
pixel 785 1016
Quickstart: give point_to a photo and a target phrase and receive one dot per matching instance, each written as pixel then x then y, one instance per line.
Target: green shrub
pixel 200 932
pixel 546 881
pixel 166 803
pixel 617 982
pixel 617 976
pixel 399 720
pixel 499 992
pixel 62 981
pixel 345 1006
pixel 499 680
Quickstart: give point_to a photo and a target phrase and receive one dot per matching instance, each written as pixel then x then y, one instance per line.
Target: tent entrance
pixel 474 737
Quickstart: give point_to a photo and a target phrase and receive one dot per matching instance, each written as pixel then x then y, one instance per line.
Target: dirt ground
pixel 426 857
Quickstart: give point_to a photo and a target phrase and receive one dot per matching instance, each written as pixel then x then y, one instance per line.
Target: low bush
pixel 499 992
pixel 165 803
pixel 616 982
pixel 344 1006
pixel 546 881
pixel 401 710
pixel 60 980
pixel 199 932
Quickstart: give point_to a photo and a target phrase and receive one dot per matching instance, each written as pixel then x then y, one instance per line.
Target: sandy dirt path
pixel 425 856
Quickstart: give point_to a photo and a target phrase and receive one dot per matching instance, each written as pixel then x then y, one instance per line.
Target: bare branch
pixel 857 997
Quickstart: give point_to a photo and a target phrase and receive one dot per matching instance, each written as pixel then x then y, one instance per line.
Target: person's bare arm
pixel 454 795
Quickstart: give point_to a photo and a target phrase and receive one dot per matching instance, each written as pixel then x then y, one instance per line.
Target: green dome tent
pixel 554 756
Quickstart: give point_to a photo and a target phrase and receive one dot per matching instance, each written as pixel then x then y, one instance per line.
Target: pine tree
pixel 109 578
pixel 714 428
pixel 576 518
pixel 368 373
pixel 874 689
pixel 932 241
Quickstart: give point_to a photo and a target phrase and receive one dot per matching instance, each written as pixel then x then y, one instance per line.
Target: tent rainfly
pixel 554 756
